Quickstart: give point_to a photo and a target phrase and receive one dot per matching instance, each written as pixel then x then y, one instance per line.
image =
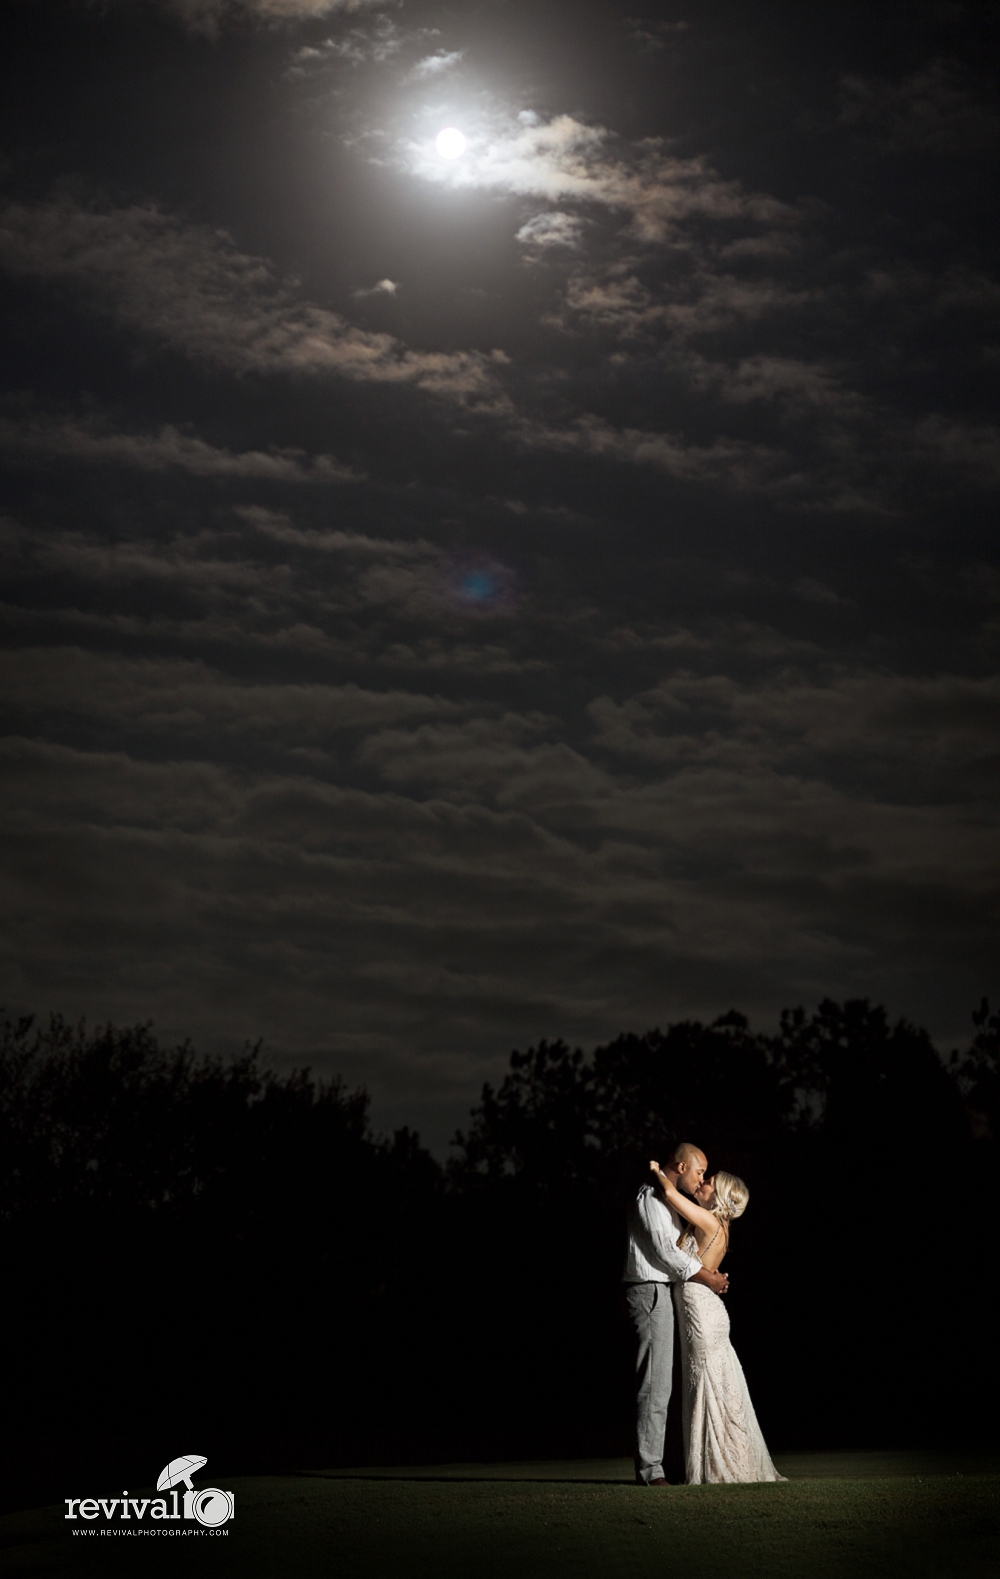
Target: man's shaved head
pixel 687 1166
pixel 686 1153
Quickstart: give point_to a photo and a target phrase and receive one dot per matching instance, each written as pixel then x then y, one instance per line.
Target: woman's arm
pixel 687 1208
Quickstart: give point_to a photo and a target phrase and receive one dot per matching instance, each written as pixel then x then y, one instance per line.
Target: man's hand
pixel 718 1282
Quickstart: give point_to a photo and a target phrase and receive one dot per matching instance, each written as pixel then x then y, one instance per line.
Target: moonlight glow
pixel 451 143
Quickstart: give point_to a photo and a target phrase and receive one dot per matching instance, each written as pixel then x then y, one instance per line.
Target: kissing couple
pixel 678 1235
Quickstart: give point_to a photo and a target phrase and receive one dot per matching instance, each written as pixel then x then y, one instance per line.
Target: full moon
pixel 451 143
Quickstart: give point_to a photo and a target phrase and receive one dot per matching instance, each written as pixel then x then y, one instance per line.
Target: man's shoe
pixel 659 1481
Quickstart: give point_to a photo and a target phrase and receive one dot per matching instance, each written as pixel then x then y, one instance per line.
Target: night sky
pixel 545 591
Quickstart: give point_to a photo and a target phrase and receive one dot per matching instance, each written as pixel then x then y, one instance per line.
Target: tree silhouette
pixel 851 1133
pixel 978 1076
pixel 212 1249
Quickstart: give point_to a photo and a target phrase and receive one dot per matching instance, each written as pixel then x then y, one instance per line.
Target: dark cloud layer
pixel 547 592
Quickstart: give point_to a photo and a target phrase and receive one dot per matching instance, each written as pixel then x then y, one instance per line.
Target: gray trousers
pixel 651 1310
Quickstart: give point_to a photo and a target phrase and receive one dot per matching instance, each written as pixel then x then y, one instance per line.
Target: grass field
pixel 868 1516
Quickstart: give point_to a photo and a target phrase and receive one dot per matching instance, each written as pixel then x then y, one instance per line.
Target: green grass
pixel 530 1521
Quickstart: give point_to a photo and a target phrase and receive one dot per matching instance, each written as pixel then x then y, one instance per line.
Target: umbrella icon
pixel 180 1469
pixel 209 1505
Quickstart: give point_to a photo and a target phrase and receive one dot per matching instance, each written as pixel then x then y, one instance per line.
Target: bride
pixel 722 1440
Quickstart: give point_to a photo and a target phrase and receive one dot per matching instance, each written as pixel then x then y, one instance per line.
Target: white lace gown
pixel 722 1440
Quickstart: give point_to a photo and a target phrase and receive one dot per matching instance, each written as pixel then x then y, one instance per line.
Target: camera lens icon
pixel 212 1507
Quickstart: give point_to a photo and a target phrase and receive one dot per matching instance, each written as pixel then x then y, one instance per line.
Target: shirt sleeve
pixel 662 1235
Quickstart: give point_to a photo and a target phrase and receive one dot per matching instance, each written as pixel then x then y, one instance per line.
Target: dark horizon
pixel 444 1141
pixel 546 592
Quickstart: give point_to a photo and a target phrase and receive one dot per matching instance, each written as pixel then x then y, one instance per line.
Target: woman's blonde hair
pixel 731 1197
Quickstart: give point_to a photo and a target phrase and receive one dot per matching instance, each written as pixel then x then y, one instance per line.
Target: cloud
pixel 919 739
pixel 210 16
pixel 190 288
pixel 432 872
pixel 507 759
pixel 769 378
pixel 181 698
pixel 704 301
pixel 552 229
pixel 39 440
pixel 256 580
pixel 380 288
pixel 940 109
pixel 435 65
pixel 377 43
pixel 274 524
pixel 812 591
pixel 565 158
pixel 419 938
pixel 971 449
pixel 729 461
pixel 829 450
pixel 219 581
pixel 655 37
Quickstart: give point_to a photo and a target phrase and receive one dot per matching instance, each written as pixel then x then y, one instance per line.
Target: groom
pixel 653 1261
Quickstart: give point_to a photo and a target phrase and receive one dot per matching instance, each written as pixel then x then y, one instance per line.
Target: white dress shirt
pixel 654 1254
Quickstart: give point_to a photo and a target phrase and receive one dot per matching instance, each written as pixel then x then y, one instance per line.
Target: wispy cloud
pixel 551 229
pixel 279 526
pixel 939 109
pixel 728 461
pixel 378 43
pixel 800 387
pixel 380 288
pixel 701 300
pixel 565 158
pixel 654 36
pixel 191 288
pixel 373 44
pixel 41 440
pixel 209 16
pixel 434 65
pixel 970 449
pixel 183 696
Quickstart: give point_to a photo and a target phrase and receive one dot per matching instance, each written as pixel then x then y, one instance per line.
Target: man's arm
pixel 662 1234
pixel 696 1215
pixel 718 1282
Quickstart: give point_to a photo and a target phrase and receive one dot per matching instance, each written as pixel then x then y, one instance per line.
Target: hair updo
pixel 731 1197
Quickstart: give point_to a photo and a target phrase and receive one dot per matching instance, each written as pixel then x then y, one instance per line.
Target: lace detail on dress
pixel 722 1440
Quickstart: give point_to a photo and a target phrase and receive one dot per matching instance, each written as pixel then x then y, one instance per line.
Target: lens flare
pixel 479 585
pixel 451 143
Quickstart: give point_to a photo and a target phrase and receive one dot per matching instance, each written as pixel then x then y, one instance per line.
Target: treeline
pixel 208 1253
